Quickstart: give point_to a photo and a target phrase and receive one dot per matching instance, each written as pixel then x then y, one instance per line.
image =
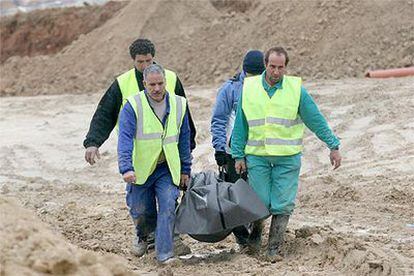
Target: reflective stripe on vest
pixel 140 122
pixel 129 86
pixel 274 141
pixel 273 120
pixel 151 137
pixel 275 129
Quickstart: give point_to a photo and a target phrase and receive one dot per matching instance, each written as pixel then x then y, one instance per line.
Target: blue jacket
pixel 308 112
pixel 127 130
pixel 224 113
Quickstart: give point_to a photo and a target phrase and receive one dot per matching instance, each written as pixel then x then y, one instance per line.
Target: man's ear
pixel 145 84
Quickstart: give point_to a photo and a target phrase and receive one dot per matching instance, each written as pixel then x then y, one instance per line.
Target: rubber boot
pixel 276 236
pixel 255 238
pixel 241 234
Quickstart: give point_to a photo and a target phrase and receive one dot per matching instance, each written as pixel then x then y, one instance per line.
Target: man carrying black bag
pixel 222 125
pixel 212 208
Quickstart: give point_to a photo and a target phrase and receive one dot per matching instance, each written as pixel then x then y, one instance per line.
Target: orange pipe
pixel 388 73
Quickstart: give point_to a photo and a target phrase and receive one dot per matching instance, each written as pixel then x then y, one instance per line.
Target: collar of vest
pixel 167 99
pixel 267 86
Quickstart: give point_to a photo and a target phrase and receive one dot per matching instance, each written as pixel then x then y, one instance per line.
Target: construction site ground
pixel 59 215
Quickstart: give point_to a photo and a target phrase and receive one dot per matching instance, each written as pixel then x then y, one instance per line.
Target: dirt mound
pixel 322 246
pixel 46 32
pixel 204 42
pixel 33 249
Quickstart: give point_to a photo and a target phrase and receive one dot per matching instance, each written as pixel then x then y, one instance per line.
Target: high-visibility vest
pixel 129 86
pixel 275 128
pixel 151 137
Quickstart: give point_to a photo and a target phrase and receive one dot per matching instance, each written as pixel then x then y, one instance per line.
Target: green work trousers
pixel 275 180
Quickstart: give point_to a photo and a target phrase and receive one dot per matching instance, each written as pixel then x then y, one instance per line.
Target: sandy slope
pixel 353 221
pixel 29 247
pixel 204 42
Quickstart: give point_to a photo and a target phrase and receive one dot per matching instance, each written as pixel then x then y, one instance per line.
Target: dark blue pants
pixel 141 201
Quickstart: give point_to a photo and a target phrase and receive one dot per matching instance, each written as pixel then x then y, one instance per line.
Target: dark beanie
pixel 253 62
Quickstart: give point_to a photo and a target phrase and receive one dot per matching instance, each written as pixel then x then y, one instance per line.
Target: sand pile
pixel 46 32
pixel 204 42
pixel 28 247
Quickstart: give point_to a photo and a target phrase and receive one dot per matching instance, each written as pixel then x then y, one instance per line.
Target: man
pixel 223 120
pixel 268 133
pixel 154 159
pixel 142 52
pixel 104 120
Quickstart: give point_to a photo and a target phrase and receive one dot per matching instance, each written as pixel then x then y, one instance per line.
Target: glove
pixel 221 158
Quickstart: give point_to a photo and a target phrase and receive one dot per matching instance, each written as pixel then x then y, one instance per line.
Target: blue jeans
pixel 141 201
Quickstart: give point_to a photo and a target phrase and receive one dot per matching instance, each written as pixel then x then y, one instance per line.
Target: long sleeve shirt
pixel 127 131
pixel 308 112
pixel 224 112
pixel 106 115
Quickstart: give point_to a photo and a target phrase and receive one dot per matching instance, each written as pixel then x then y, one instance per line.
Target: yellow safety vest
pixel 151 137
pixel 275 128
pixel 129 86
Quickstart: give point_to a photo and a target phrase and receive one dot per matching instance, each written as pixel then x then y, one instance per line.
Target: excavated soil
pixel 204 41
pixel 29 247
pixel 46 32
pixel 60 216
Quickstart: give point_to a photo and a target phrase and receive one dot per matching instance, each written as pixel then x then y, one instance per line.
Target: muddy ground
pixel 59 215
pixel 354 221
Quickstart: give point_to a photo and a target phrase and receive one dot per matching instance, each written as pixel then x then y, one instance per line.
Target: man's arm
pixel 240 133
pixel 127 130
pixel 221 112
pixel 105 117
pixel 179 90
pixel 315 121
pixel 184 146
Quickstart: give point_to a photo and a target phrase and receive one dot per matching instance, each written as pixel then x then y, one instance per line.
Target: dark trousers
pixel 241 232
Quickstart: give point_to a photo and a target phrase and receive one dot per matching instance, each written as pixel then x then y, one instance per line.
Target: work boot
pixel 255 239
pixel 241 233
pixel 276 236
pixel 139 246
pixel 180 249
